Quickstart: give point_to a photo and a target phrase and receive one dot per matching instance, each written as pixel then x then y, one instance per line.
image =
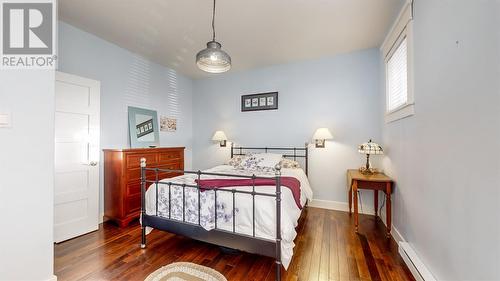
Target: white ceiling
pixel 255 33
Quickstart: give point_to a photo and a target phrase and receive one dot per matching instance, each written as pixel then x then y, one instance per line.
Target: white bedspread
pixel 265 210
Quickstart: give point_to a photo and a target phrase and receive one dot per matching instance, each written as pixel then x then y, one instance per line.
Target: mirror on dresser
pixel 143 127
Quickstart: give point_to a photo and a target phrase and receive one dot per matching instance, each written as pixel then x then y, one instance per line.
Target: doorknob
pixel 93 163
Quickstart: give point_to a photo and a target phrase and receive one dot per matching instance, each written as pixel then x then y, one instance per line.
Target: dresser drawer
pixel 135 174
pixel 171 166
pixel 133 204
pixel 134 160
pixel 168 156
pixel 134 189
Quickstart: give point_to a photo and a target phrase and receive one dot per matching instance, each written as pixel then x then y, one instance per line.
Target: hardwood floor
pixel 327 248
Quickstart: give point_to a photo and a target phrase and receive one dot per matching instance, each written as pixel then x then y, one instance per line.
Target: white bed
pixel 265 210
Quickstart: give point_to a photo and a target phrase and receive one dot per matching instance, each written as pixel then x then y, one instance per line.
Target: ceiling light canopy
pixel 213 59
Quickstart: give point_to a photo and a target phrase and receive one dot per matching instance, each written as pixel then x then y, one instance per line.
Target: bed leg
pixel 278 270
pixel 278 222
pixel 143 201
pixel 143 238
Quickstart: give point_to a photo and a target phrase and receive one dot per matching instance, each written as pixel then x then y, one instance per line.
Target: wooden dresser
pixel 122 178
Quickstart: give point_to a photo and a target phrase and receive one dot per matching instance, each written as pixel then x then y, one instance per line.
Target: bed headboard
pixel 294 153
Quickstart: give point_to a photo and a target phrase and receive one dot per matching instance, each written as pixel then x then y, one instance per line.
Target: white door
pixel 76 190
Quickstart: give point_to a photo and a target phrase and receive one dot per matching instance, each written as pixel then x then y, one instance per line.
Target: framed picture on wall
pixel 262 101
pixel 168 124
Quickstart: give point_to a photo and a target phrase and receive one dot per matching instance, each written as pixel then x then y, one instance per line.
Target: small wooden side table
pixel 356 180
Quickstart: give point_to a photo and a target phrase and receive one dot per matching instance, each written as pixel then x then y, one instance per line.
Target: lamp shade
pixel 322 134
pixel 219 136
pixel 370 148
pixel 213 59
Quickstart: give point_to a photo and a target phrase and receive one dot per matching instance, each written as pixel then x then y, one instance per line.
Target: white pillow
pixel 268 160
pixel 289 163
pixel 236 160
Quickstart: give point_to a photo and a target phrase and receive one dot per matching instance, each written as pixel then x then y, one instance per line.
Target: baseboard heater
pixel 416 266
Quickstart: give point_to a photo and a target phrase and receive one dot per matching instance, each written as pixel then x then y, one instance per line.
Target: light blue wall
pixel 445 157
pixel 126 80
pixel 341 93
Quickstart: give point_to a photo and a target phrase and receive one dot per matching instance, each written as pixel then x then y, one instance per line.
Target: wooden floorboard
pixel 327 248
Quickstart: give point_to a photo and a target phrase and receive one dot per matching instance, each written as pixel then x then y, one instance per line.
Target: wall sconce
pixel 220 137
pixel 321 135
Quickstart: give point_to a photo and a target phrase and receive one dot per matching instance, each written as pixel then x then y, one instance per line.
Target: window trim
pixel 402 28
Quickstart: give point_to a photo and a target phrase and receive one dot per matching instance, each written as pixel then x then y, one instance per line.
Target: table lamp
pixel 369 148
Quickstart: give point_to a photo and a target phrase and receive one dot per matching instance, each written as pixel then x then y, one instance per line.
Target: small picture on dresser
pixel 264 101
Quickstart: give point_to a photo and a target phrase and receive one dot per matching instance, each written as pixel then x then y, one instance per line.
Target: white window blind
pixel 397 77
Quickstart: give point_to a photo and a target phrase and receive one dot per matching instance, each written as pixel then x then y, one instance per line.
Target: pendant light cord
pixel 213 23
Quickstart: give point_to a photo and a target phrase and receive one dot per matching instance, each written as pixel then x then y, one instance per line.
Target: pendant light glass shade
pixel 213 59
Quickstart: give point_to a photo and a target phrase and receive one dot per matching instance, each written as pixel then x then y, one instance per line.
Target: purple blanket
pixel 290 182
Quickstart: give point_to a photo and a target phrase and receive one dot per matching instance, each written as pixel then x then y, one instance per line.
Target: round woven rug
pixel 185 271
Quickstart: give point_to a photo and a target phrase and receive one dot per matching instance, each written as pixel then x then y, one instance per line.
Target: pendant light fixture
pixel 213 59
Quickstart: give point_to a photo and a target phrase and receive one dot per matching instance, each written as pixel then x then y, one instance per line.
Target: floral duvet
pixel 265 207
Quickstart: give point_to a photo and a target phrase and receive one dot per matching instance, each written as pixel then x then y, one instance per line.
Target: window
pixel 397 78
pixel 398 68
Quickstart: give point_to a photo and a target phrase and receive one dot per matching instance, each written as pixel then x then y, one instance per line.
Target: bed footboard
pixel 217 236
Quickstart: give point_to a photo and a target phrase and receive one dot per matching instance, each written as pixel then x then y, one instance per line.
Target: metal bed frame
pixel 230 239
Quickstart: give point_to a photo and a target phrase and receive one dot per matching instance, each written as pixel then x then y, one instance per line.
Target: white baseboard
pixel 396 235
pixel 394 231
pixel 336 205
pixel 415 265
pixel 53 278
